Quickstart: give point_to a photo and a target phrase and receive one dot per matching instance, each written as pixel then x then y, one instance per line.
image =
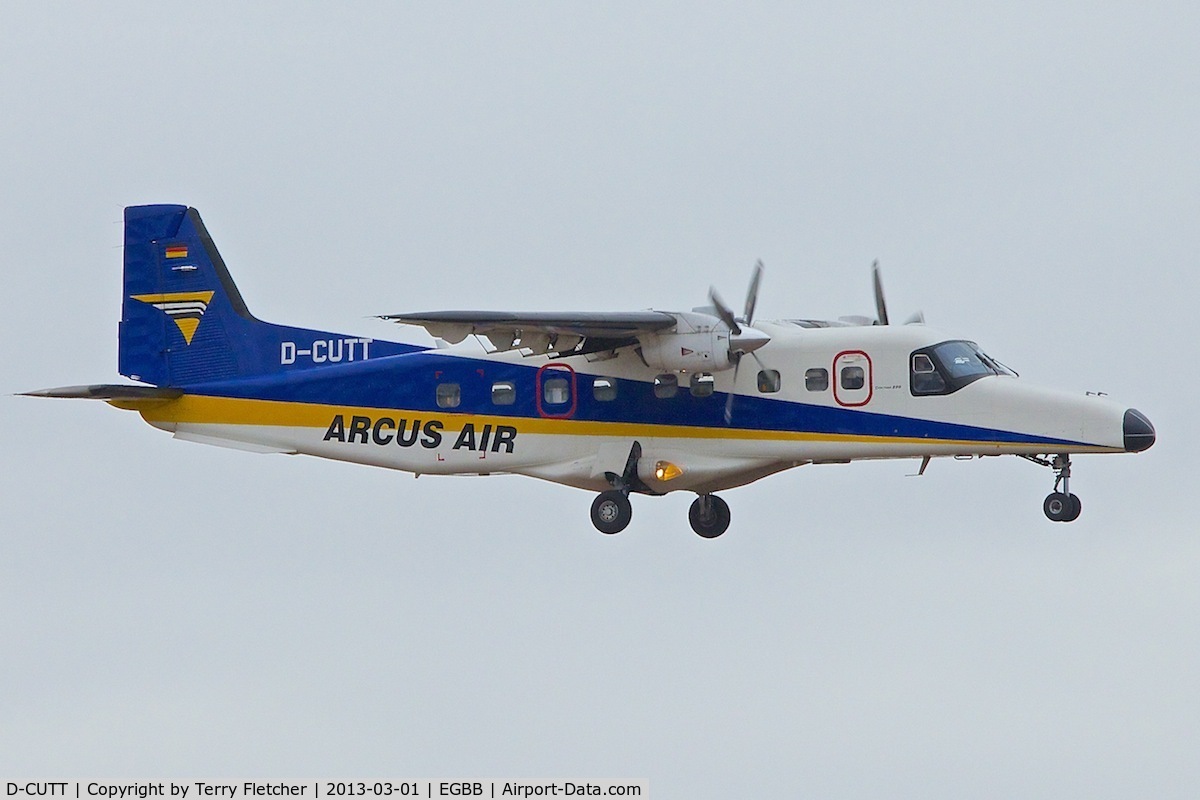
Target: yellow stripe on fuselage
pixel 200 409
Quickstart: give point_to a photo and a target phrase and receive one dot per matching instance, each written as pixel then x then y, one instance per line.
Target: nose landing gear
pixel 1059 506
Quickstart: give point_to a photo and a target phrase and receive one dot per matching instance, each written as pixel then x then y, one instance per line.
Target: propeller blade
pixel 729 400
pixel 723 311
pixel 752 294
pixel 880 304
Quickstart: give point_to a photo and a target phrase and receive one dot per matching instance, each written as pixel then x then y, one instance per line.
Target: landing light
pixel 666 471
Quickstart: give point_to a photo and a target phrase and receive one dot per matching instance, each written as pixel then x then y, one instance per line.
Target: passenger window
pixel 702 384
pixel 556 391
pixel 768 381
pixel 816 380
pixel 853 377
pixel 666 385
pixel 604 389
pixel 925 377
pixel 504 393
pixel 449 395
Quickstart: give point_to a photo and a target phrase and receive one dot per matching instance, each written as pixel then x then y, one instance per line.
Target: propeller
pixel 723 311
pixel 752 292
pixel 742 340
pixel 880 304
pixel 881 314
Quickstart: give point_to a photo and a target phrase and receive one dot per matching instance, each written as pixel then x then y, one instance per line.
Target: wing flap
pixel 539 332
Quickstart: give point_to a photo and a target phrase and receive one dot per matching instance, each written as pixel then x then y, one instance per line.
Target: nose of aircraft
pixel 1139 433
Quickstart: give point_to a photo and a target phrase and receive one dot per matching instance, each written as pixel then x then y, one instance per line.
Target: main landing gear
pixel 709 516
pixel 612 511
pixel 1060 506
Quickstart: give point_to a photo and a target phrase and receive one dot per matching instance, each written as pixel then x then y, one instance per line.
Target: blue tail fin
pixel 184 322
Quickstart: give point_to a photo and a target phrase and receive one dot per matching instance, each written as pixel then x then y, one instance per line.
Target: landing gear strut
pixel 709 516
pixel 1060 506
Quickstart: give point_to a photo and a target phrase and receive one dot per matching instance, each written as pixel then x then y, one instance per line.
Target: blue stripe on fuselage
pixel 408 381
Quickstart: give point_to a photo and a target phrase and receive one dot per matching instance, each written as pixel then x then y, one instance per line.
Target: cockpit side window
pixel 925 377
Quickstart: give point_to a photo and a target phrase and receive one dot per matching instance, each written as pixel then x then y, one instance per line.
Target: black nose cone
pixel 1139 433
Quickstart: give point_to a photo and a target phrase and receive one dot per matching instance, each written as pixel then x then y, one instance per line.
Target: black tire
pixel 1058 506
pixel 712 524
pixel 611 511
pixel 1074 511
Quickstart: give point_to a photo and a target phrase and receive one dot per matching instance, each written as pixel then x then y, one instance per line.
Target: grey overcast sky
pixel 1027 174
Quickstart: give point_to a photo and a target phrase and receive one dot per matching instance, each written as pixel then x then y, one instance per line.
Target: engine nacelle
pixel 699 343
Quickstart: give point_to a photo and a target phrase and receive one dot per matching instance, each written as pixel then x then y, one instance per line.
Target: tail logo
pixel 185 308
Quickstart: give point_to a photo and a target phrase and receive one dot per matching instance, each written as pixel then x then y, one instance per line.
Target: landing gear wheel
pixel 1062 507
pixel 1076 508
pixel 611 511
pixel 709 516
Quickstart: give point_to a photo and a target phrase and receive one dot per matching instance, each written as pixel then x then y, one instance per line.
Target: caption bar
pixel 314 790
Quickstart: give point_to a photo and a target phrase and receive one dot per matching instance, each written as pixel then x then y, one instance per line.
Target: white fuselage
pixel 772 426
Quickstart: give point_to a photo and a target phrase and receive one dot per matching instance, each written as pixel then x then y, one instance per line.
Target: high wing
pixel 538 333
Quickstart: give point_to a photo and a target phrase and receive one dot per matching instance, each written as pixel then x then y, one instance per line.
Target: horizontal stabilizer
pixel 107 391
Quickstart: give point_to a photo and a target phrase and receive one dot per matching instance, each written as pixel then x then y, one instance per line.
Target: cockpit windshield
pixel 949 366
pixel 962 360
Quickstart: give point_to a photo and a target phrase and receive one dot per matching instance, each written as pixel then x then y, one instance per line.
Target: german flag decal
pixel 177 251
pixel 185 308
